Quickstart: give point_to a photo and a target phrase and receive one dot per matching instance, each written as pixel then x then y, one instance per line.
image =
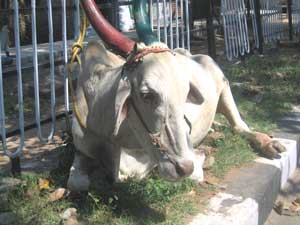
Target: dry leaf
pixel 44 184
pixel 297 201
pixel 70 212
pixel 287 209
pixel 58 194
pixel 192 192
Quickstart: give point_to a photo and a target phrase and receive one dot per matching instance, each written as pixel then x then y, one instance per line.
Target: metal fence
pixel 235 28
pixel 44 138
pixel 273 27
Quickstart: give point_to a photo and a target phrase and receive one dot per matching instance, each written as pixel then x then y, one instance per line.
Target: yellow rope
pixel 76 50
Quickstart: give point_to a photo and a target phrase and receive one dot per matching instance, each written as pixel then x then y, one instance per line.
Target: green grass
pixel 154 201
pixel 146 202
pixel 277 78
pixel 233 151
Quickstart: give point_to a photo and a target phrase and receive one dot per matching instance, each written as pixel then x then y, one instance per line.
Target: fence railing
pixel 235 28
pixel 273 26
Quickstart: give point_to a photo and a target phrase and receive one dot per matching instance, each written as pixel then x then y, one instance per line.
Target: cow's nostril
pixel 185 168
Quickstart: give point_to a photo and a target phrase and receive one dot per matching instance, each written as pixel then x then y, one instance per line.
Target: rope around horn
pixel 76 50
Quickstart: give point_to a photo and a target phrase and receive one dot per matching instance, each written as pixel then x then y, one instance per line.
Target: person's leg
pixel 126 22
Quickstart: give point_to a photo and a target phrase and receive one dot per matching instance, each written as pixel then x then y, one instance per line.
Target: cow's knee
pixel 79 174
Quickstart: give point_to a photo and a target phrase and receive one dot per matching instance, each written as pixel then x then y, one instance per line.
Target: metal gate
pixel 235 28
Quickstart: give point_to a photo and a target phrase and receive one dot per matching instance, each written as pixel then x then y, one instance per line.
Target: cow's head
pixel 152 93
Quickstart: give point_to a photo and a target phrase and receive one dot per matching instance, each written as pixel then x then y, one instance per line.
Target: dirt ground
pixel 37 156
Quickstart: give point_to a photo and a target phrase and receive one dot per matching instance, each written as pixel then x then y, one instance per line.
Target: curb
pixel 251 191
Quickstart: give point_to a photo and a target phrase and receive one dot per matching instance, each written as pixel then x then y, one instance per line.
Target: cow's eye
pixel 147 97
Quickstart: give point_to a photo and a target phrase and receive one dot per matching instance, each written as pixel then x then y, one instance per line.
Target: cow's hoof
pixel 268 147
pixel 272 149
pixel 198 161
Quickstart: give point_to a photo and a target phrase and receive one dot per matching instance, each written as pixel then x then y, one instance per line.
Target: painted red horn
pixel 105 30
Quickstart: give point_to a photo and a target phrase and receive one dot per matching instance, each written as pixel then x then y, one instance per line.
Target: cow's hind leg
pixel 263 142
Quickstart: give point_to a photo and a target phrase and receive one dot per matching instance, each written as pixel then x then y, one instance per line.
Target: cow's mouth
pixel 175 170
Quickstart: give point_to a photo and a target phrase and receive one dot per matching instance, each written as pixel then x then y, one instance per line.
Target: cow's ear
pixel 121 104
pixel 194 95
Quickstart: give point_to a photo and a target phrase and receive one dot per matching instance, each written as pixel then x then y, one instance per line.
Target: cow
pixel 148 110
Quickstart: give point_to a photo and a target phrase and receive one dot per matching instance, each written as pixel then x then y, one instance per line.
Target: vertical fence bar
pixel 165 22
pixel 258 24
pixel 187 20
pixel 76 21
pixel 182 23
pixel 177 24
pixel 171 23
pixel 65 56
pixel 19 72
pixel 211 33
pixel 15 154
pixel 226 29
pixel 151 13
pixel 290 19
pixel 296 17
pixel 254 25
pixel 241 30
pixel 232 28
pixel 36 78
pixel 158 19
pixel 235 27
pixel 52 68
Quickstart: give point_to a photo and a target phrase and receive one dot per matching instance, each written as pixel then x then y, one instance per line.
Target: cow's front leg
pixel 79 173
pixel 263 142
